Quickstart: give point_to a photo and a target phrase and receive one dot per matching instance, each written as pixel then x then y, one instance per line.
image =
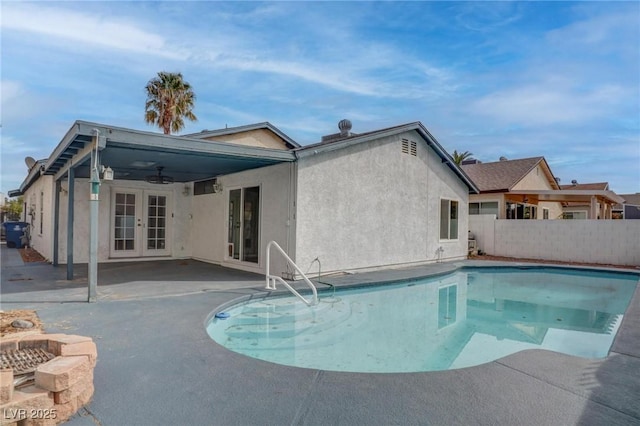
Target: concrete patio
pixel 157 365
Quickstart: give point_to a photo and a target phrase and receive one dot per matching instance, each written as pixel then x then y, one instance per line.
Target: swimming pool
pixel 466 318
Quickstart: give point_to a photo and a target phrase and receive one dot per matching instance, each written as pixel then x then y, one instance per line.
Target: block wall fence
pixel 615 242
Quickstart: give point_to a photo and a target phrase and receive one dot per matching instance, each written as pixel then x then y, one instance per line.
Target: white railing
pixel 271 279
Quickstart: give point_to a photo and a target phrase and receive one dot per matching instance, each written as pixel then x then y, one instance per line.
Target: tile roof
pixel 603 186
pixel 500 175
pixel 632 198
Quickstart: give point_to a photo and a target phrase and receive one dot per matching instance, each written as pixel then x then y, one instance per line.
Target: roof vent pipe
pixel 345 127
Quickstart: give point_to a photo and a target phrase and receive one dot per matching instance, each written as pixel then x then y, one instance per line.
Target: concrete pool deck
pixel 157 365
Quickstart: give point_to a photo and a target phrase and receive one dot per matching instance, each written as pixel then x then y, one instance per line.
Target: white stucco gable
pixel 375 201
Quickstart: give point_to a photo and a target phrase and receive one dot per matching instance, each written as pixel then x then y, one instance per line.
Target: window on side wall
pixel 545 214
pixel 448 219
pixel 483 207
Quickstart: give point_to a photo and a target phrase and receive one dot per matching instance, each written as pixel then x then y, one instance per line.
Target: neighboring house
pixel 388 197
pixel 630 209
pixel 581 210
pixel 506 185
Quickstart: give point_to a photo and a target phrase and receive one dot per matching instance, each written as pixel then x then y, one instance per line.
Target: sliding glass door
pixel 244 224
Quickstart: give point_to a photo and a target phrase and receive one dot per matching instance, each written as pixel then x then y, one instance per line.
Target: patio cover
pixel 134 154
pixel 589 197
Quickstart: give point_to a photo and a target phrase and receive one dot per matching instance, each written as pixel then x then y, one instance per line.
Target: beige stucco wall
pixel 537 179
pixel 370 205
pixel 209 230
pixel 259 137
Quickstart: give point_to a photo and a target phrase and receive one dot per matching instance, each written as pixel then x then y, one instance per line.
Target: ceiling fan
pixel 159 178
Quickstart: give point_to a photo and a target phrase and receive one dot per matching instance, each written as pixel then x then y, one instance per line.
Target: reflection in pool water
pixel 466 318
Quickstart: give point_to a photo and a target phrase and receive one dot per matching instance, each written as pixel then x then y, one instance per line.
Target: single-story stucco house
pixel 501 182
pixel 353 201
pixel 526 188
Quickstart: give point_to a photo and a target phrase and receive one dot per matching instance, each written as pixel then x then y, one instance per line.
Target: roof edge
pixel 231 130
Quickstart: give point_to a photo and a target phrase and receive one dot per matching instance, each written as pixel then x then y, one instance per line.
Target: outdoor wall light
pixel 107 173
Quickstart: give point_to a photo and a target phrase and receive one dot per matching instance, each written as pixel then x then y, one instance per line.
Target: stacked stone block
pixel 62 385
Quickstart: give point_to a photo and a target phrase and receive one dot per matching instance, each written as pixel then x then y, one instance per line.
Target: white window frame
pixel 450 200
pixel 480 207
pixel 228 255
pixel 573 213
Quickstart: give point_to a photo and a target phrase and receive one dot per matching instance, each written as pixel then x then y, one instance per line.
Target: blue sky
pixel 514 79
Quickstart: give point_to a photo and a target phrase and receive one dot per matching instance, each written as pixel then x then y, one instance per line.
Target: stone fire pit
pixel 54 389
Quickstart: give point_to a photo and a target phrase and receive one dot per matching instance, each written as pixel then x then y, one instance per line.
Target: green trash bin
pixel 14 232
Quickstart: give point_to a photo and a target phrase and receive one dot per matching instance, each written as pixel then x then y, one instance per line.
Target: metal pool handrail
pixel 271 279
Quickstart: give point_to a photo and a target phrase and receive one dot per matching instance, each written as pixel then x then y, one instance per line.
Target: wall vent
pixel 409 147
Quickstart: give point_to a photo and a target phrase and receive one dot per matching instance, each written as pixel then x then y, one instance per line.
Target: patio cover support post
pixel 94 203
pixel 70 200
pixel 593 213
pixel 56 220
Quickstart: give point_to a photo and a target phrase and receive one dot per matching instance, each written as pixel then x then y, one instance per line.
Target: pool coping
pixel 416 273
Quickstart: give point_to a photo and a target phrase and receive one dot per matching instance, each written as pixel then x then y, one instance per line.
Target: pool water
pixel 466 318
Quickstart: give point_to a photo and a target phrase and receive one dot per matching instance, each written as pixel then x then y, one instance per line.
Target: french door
pixel 140 223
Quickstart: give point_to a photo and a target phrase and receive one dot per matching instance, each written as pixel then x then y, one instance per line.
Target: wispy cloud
pixel 539 105
pixel 84 29
pixel 369 70
pixel 487 16
pixel 20 105
pixel 601 30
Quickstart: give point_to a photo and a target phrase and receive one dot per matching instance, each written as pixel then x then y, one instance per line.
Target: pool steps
pixel 285 322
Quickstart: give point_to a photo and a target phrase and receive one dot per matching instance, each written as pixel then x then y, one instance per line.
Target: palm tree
pixel 459 158
pixel 170 99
